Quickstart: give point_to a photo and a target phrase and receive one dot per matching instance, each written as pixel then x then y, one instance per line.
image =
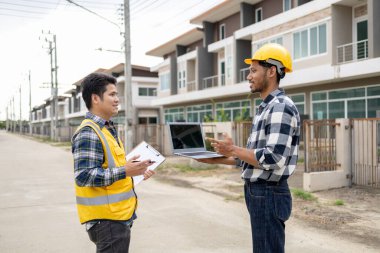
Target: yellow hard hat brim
pixel 248 61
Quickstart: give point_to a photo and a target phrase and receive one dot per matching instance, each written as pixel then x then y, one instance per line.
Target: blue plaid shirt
pixel 274 138
pixel 89 156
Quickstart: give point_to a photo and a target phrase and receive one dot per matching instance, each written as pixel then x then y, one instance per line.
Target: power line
pixel 94 13
pixel 143 5
pixel 19 16
pixel 183 11
pixel 24 11
pixel 100 3
pixel 145 9
pixel 29 6
pixel 39 1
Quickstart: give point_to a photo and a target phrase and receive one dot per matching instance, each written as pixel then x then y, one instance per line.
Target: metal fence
pixel 320 145
pixel 366 152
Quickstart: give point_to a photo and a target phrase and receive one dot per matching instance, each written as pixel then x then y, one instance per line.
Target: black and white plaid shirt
pixel 274 138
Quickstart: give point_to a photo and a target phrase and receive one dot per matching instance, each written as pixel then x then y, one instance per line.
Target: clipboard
pixel 146 152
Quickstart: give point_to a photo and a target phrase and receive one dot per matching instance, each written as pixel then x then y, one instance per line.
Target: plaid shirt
pixel 89 156
pixel 274 138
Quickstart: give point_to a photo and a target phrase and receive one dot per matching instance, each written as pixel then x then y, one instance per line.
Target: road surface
pixel 38 213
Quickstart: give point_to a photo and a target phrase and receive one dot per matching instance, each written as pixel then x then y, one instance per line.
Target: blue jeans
pixel 269 206
pixel 111 236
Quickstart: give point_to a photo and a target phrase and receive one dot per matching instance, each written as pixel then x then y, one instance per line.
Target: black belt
pixel 260 181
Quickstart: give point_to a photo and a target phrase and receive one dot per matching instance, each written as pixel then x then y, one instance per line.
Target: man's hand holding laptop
pixel 224 147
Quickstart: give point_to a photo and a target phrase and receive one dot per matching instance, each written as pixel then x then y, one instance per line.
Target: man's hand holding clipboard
pixel 144 155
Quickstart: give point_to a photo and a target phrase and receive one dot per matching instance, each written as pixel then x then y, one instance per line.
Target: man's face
pixel 108 105
pixel 257 77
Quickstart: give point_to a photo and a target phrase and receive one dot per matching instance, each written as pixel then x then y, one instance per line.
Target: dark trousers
pixel 111 236
pixel 269 206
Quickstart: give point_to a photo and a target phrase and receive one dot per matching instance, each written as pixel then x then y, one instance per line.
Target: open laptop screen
pixel 186 136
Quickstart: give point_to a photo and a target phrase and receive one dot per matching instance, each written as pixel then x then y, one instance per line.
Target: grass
pixel 339 202
pixel 298 193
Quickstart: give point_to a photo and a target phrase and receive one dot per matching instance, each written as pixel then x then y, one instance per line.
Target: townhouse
pixel 72 108
pixel 335 46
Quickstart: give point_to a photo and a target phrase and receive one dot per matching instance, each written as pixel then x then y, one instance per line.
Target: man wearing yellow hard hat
pixel 270 156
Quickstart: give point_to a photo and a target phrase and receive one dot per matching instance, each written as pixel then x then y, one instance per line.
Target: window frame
pixel 256 14
pixel 222 31
pixel 284 4
pixel 308 30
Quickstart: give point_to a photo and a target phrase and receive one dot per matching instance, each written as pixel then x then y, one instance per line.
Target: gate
pixel 366 151
pixel 320 145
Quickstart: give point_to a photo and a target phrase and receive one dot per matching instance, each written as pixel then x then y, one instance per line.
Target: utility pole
pixel 55 97
pixel 20 112
pixel 52 46
pixel 30 104
pixel 129 112
pixel 7 119
pixel 13 115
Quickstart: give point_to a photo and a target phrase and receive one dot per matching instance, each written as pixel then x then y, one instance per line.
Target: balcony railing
pixel 352 52
pixel 243 74
pixel 213 81
pixel 191 86
pixel 210 82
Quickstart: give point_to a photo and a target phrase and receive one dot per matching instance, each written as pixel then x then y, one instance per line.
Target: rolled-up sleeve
pixel 88 159
pixel 280 127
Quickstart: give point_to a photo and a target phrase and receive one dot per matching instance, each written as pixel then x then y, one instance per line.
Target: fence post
pixel 343 148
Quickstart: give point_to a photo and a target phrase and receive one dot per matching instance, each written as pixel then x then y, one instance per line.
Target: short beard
pixel 264 86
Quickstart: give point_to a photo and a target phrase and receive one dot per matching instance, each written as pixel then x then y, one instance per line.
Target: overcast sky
pixel 79 33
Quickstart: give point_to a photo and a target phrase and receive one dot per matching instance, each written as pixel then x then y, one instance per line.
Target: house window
pixel 258 14
pixel 147 92
pixel 360 102
pixel 277 40
pixel 309 42
pixel 165 81
pixel 233 111
pixel 199 113
pixel 222 31
pixel 287 4
pixel 147 120
pixel 181 79
pixel 175 114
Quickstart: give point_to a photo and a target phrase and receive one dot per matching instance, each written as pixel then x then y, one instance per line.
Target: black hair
pixel 95 83
pixel 268 65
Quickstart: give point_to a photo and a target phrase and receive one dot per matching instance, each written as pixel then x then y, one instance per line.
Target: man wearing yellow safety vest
pixel 270 156
pixel 106 200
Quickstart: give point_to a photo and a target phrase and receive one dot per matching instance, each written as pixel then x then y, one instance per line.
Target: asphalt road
pixel 38 214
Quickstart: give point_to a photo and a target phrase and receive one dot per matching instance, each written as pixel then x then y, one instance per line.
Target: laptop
pixel 188 140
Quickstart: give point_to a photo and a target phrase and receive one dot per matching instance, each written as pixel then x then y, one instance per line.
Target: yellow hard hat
pixel 270 52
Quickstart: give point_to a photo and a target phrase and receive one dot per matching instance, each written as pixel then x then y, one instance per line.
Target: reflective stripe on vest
pixel 102 200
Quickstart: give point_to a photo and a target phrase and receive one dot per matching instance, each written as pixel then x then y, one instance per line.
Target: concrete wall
pixel 373 28
pixel 341 17
pixel 317 181
pixel 173 75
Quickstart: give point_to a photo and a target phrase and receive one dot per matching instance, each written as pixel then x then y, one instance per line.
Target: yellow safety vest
pixel 117 201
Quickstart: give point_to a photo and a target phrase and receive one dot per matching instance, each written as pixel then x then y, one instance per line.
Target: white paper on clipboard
pixel 146 152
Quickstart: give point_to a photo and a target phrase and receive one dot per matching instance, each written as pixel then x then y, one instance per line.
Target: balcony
pixel 352 52
pixel 213 81
pixel 191 86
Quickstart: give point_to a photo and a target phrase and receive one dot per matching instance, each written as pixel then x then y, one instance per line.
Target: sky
pixel 24 25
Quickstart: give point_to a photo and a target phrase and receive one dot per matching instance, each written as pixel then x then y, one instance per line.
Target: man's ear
pixel 94 99
pixel 273 71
